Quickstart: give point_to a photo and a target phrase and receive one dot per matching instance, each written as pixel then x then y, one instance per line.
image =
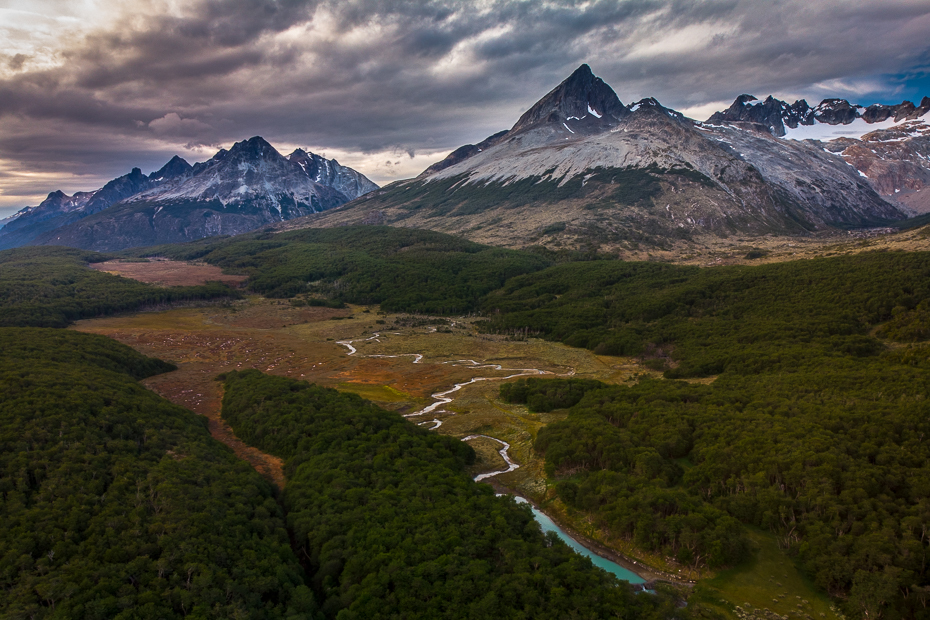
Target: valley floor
pixel 314 344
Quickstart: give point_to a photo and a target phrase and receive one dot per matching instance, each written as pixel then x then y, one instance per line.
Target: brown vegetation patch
pixel 258 315
pixel 266 335
pixel 167 272
pixel 194 389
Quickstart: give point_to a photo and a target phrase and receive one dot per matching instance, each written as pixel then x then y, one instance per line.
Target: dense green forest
pixel 393 527
pixel 401 269
pixel 696 322
pixel 117 504
pixel 836 463
pixel 52 286
pixel 114 503
pixel 815 428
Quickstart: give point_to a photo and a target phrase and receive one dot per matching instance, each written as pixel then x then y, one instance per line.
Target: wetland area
pixel 440 373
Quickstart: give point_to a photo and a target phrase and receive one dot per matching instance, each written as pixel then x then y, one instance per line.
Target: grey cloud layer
pixel 385 75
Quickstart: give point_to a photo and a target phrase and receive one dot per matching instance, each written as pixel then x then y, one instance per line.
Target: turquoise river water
pixel 611 567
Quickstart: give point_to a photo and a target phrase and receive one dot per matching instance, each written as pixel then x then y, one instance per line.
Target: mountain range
pixel 888 145
pixel 581 167
pixel 578 168
pixel 249 186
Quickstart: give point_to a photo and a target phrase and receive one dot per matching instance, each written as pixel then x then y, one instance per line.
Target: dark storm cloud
pixel 393 76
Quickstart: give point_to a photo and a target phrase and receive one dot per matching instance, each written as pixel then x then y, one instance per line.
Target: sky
pixel 92 88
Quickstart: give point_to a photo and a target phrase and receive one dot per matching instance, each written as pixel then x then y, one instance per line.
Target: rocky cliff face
pixel 887 145
pixel 580 167
pixel 329 173
pixel 583 100
pixel 246 187
pixel 894 161
pixel 252 176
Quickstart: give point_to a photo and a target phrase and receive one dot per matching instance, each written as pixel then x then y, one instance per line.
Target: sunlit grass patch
pixel 377 393
pixel 768 586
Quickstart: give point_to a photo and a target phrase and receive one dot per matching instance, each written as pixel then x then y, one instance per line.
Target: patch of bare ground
pixel 583 229
pixel 756 250
pixel 163 272
pixel 198 392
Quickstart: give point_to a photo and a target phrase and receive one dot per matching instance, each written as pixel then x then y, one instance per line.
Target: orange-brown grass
pixel 275 337
pixel 167 272
pixel 196 390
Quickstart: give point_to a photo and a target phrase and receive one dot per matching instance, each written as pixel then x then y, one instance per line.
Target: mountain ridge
pixel 779 116
pixel 889 145
pixel 632 174
pixel 245 187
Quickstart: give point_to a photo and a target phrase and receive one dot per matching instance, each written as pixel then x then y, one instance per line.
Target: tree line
pixel 53 286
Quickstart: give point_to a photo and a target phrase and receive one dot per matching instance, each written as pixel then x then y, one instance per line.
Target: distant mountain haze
pixel 246 187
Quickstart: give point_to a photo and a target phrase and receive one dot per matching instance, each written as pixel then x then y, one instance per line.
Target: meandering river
pixel 443 398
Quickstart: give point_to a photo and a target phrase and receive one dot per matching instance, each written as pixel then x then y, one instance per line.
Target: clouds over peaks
pixel 371 78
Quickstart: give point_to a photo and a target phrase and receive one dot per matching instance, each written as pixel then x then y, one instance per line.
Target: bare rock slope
pixel 580 167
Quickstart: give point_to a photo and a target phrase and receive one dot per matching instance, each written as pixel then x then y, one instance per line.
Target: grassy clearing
pixel 377 393
pixel 770 586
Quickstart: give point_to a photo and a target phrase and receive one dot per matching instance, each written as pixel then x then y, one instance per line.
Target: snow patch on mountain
pixel 856 129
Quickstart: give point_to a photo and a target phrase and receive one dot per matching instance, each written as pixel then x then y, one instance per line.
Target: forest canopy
pixel 694 322
pixel 402 269
pixel 393 526
pixel 815 426
pixel 115 503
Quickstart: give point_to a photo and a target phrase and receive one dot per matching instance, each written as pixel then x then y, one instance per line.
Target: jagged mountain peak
pixel 778 117
pixel 255 146
pixel 581 163
pixel 175 167
pixel 581 96
pixel 300 155
pixel 331 173
pixel 236 190
pixel 651 103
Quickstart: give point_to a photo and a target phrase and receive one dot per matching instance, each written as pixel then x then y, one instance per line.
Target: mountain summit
pixel 59 209
pixel 582 99
pixel 580 168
